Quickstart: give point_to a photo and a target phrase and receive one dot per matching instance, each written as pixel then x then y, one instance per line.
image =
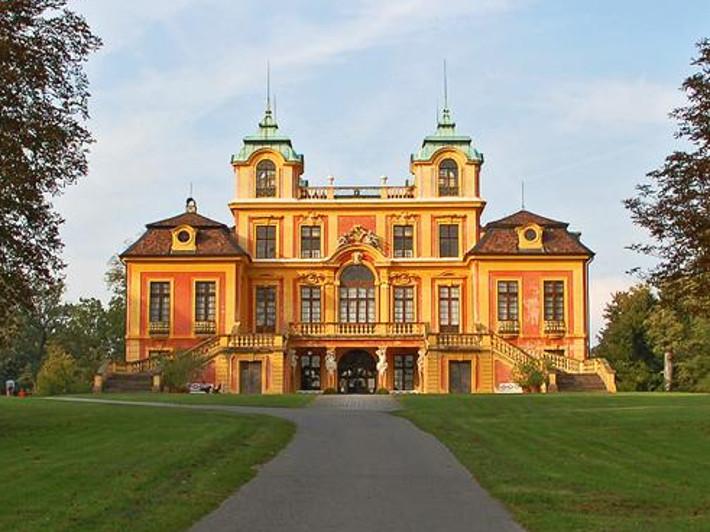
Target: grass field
pixel 283 401
pixel 582 462
pixel 69 466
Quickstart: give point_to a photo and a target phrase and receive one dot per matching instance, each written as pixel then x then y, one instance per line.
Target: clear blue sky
pixel 571 97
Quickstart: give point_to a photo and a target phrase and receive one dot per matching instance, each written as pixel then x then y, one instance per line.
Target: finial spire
pixel 522 194
pixel 446 88
pixel 268 85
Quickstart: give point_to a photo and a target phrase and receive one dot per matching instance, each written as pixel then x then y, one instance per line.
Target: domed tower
pixel 267 166
pixel 447 164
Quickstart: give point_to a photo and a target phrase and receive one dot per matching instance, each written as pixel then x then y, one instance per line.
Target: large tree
pixel 675 206
pixel 43 137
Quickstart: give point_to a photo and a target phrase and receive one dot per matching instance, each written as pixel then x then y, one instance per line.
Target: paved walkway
pixel 353 467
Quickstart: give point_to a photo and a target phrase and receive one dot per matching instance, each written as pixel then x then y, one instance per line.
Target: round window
pixel 183 236
pixel 530 234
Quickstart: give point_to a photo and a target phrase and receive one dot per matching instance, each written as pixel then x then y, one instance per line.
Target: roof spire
pixel 268 86
pixel 268 125
pixel 446 88
pixel 522 194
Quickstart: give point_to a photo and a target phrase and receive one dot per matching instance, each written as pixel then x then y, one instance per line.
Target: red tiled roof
pixel 213 238
pixel 500 237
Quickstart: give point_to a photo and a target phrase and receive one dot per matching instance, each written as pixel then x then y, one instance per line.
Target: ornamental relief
pixel 403 278
pixel 360 235
pixel 312 278
pixel 404 218
pixel 312 217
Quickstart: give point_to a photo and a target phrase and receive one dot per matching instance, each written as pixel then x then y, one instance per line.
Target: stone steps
pixel 134 382
pixel 586 382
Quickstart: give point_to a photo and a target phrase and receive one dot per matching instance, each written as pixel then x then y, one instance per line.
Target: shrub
pixel 60 373
pixel 531 374
pixel 179 371
pixel 382 391
pixel 330 391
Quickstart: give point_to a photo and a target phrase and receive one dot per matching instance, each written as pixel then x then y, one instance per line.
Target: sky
pixel 570 97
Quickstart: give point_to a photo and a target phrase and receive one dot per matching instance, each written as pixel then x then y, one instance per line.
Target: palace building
pixel 357 288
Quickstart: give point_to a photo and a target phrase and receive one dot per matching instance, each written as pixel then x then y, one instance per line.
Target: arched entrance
pixel 357 372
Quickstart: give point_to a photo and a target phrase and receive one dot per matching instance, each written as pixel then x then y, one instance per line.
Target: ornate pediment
pixel 360 235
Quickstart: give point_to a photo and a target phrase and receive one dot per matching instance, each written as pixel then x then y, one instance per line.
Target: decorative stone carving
pixel 311 278
pixel 357 257
pixel 292 358
pixel 313 217
pixel 402 278
pixel 360 235
pixel 331 364
pixel 405 218
pixel 381 361
pixel 420 367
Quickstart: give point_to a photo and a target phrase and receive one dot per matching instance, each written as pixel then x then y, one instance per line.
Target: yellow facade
pixel 359 288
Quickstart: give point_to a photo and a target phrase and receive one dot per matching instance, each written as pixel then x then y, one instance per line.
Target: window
pixel 404 304
pixel 404 372
pixel 310 241
pixel 449 309
pixel 403 240
pixel 554 301
pixel 265 309
pixel 448 240
pixel 160 302
pixel 310 304
pixel 310 372
pixel 205 298
pixel 265 179
pixel 448 178
pixel 265 241
pixel 507 300
pixel 357 295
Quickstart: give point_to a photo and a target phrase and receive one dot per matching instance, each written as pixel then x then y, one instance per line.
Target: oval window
pixel 530 234
pixel 183 236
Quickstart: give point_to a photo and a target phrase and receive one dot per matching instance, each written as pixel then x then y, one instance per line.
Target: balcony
pixel 355 330
pixel 355 193
pixel 456 341
pixel 159 328
pixel 555 328
pixel 508 328
pixel 205 327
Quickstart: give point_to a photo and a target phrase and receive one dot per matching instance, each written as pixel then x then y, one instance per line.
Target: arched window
pixel 357 295
pixel 448 178
pixel 265 179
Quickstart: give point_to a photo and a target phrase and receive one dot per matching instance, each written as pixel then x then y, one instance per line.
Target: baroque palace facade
pixel 360 288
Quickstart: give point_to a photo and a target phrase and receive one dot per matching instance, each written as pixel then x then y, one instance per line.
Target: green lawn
pixel 80 466
pixel 283 401
pixel 582 461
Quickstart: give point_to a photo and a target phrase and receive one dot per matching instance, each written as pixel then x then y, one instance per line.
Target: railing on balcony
pixel 159 328
pixel 509 328
pixel 555 327
pixel 449 340
pixel 337 329
pixel 205 327
pixel 332 192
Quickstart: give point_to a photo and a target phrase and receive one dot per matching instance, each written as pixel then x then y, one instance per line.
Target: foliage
pixel 59 373
pixel 624 340
pixel 675 206
pixel 330 391
pixel 530 374
pixel 43 141
pixel 382 391
pixel 179 371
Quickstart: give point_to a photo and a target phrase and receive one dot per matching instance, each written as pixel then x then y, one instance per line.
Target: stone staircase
pixel 128 382
pixel 583 382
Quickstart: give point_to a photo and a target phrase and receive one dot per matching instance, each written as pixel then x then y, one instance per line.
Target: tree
pixel 624 340
pixel 675 206
pixel 60 373
pixel 43 139
pixel 116 311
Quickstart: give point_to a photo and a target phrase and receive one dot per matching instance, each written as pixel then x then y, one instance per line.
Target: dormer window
pixel 265 179
pixel 448 178
pixel 530 237
pixel 184 239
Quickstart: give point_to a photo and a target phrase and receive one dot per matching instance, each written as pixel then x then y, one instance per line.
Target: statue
pixel 420 367
pixel 293 358
pixel 331 364
pixel 382 364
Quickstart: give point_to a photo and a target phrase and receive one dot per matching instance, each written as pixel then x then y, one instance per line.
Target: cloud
pixel 613 103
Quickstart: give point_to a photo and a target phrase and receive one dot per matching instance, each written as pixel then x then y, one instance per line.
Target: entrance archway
pixel 357 372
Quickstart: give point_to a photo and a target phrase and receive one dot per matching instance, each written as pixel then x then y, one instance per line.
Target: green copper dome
pixel 267 136
pixel 445 136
